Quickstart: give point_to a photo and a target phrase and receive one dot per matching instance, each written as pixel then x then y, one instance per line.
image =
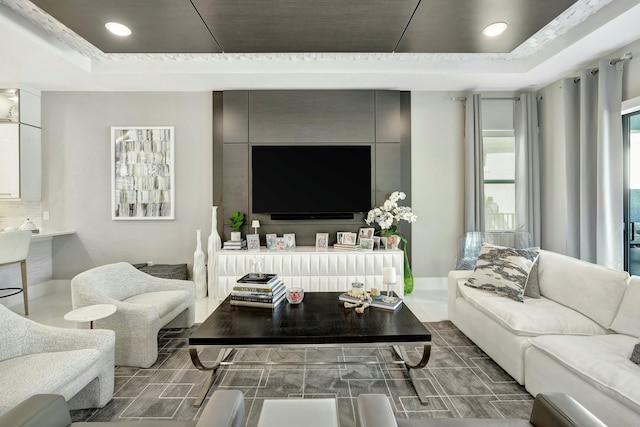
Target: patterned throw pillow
pixel 635 354
pixel 532 288
pixel 503 270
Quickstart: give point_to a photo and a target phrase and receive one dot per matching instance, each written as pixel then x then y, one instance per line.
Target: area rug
pixel 462 381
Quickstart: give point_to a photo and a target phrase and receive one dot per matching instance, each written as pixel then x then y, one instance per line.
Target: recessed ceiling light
pixel 494 29
pixel 118 29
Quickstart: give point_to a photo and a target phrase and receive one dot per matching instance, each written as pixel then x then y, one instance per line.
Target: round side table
pixel 90 313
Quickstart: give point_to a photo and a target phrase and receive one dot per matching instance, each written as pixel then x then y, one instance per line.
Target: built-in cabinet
pixel 315 270
pixel 20 145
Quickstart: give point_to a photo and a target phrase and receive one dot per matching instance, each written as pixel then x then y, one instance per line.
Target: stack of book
pixel 235 245
pixel 346 247
pixel 267 291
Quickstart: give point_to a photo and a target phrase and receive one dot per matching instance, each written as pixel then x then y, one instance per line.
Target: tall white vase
pixel 199 269
pixel 213 246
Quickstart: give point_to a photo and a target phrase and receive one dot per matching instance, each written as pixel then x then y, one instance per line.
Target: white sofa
pixel 35 358
pixel 577 338
pixel 144 305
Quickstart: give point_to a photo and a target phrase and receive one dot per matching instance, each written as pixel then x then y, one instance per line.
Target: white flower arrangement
pixel 389 214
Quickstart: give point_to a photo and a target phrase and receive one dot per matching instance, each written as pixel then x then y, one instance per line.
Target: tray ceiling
pixel 429 45
pixel 303 26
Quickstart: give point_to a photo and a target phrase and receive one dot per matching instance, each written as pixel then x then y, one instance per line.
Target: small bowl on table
pixel 295 295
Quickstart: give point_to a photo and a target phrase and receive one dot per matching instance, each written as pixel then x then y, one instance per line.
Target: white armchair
pixel 144 305
pixel 35 358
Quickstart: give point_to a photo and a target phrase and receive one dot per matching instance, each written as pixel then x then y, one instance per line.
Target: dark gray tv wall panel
pixel 236 117
pixel 331 116
pixel 388 119
pixel 380 119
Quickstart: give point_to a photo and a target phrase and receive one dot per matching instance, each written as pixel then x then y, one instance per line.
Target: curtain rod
pixel 626 56
pixel 515 98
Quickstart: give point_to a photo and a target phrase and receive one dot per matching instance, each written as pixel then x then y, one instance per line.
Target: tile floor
pixel 460 381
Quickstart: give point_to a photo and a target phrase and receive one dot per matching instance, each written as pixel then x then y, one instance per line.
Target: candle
pixel 389 275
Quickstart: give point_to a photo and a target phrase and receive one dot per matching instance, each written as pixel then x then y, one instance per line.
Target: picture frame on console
pixel 253 242
pixel 365 233
pixel 289 241
pixel 376 243
pixel 280 243
pixel 271 241
pixel 322 240
pixel 142 173
pixel 366 244
pixel 348 238
pixel 392 242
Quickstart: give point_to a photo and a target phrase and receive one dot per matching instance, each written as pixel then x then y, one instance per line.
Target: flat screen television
pixel 311 181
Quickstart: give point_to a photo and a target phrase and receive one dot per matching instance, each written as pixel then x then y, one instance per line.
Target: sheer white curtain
pixel 473 165
pixel 527 172
pixel 593 156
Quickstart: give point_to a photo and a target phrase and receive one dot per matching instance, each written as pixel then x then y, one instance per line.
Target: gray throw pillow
pixel 532 288
pixel 635 354
pixel 503 270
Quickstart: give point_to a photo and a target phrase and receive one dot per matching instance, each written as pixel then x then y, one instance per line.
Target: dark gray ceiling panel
pixel 306 25
pixel 455 26
pixel 158 26
pixel 273 26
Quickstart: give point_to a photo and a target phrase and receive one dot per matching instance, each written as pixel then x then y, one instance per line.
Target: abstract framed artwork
pixel 142 173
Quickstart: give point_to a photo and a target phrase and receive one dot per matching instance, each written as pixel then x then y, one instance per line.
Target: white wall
pixel 631 81
pixel 553 193
pixel 437 181
pixel 76 177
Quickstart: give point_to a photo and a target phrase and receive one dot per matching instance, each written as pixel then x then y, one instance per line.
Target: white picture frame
pixel 289 241
pixel 365 233
pixel 349 238
pixel 142 173
pixel 253 242
pixel 366 244
pixel 271 241
pixel 322 240
pixel 392 242
pixel 376 243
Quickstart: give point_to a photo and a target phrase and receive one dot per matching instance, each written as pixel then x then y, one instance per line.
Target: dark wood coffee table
pixel 320 320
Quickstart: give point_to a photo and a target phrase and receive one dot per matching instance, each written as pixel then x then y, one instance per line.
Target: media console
pixel 326 270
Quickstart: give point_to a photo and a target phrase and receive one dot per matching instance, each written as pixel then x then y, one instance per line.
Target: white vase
pixel 213 246
pixel 199 269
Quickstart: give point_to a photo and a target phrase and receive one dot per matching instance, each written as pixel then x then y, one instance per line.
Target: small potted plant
pixel 235 222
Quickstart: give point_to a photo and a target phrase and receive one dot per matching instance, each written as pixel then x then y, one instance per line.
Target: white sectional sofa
pixel 576 338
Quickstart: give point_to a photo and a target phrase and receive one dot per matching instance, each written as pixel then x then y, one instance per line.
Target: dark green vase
pixel 408 275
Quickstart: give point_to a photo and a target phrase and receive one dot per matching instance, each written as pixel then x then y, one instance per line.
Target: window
pixel 499 164
pixel 631 129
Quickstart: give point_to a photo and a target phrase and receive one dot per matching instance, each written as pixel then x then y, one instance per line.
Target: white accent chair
pixel 34 358
pixel 144 305
pixel 14 248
